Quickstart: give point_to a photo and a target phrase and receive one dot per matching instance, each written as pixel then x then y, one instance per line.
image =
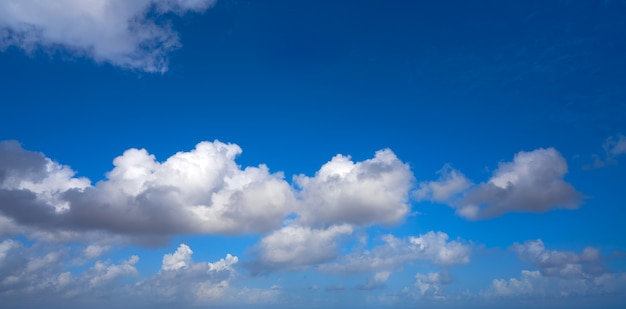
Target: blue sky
pixel 316 154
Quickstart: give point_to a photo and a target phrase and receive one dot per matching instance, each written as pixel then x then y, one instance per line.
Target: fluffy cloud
pixel 342 196
pixel 361 193
pixel 433 247
pixel 294 247
pixel 532 182
pixel 195 192
pixel 177 260
pixel 128 34
pixel 201 191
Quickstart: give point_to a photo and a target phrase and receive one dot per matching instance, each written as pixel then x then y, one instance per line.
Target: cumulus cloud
pixel 128 34
pixel 532 182
pixel 177 260
pixel 200 191
pixel 362 193
pixel 394 253
pixel 296 247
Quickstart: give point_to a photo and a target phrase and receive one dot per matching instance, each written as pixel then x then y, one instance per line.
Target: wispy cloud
pixel 614 146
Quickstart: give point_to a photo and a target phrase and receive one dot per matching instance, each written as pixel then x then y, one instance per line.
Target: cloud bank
pixel 559 274
pixel 202 191
pixel 127 34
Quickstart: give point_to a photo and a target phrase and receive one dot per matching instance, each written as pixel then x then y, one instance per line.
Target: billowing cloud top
pixel 123 33
pixel 362 193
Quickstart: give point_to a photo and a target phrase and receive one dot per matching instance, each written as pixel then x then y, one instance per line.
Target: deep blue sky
pixel 472 84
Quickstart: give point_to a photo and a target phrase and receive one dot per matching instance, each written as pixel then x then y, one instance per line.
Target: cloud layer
pixel 128 34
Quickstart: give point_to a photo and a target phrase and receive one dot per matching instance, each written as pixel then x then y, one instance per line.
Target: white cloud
pixel 177 260
pixel 432 247
pixel 223 264
pixel 532 182
pixel 200 191
pixel 124 33
pixel 294 247
pixel 362 193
